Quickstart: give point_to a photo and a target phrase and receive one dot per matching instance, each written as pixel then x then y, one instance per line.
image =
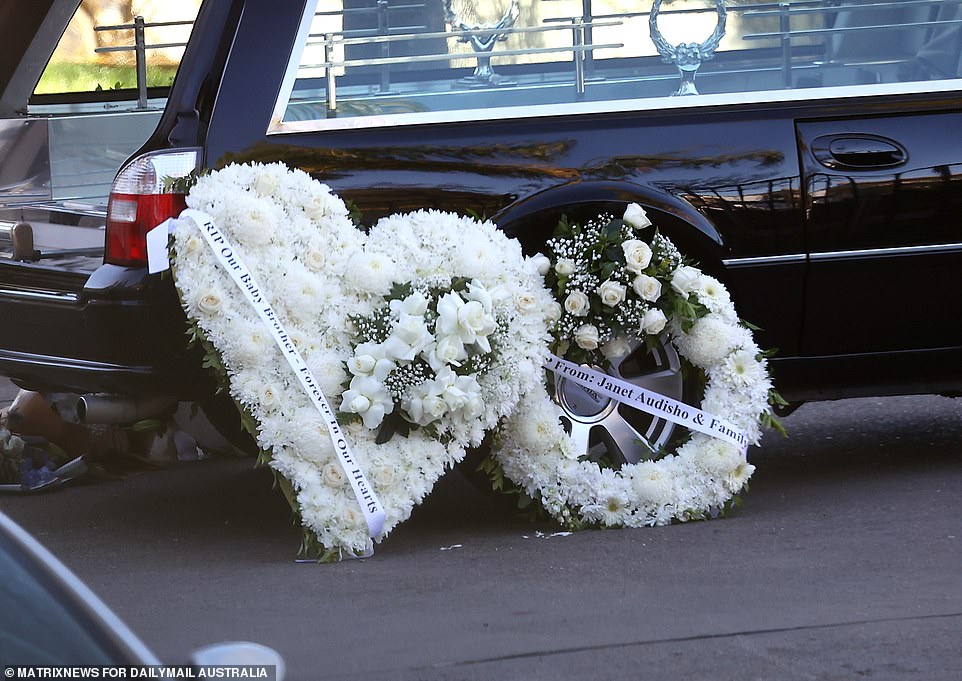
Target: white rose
pixel 468 320
pixel 577 304
pixel 636 217
pixel 333 476
pixel 565 267
pixel 370 359
pixel 210 303
pixel 314 260
pixel 637 255
pixel 448 350
pixel 616 348
pixel 685 280
pixel 368 398
pixel 552 312
pixel 477 291
pixel 586 336
pixel 361 365
pixel 474 407
pixel 541 264
pixel 193 244
pixel 499 294
pixel 478 323
pixel 384 476
pixel 454 397
pixel 647 288
pixel 359 404
pixel 415 305
pixel 525 302
pixel 434 408
pixel 268 396
pixel 265 184
pixel 409 336
pixel 653 321
pixel 611 293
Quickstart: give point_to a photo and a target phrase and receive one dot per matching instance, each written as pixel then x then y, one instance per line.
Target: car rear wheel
pixel 614 433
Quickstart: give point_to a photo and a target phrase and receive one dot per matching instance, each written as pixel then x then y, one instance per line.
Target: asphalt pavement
pixel 844 562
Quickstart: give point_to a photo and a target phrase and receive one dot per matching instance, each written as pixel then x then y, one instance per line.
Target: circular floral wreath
pixel 616 287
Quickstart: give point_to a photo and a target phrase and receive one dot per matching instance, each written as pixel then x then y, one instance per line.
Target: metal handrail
pixel 449 34
pixel 427 58
pixel 821 6
pixel 139 48
pixel 785 10
pixel 849 29
pixel 383 11
pixel 579 49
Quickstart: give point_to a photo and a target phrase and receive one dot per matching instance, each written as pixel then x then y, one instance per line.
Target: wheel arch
pixel 532 219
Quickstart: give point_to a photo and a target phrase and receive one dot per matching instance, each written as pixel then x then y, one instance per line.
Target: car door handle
pixel 858 152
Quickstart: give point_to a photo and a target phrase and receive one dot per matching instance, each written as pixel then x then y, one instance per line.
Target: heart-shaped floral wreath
pixel 431 330
pixel 423 334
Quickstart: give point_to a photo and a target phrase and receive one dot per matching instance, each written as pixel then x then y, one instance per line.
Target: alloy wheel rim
pixel 603 429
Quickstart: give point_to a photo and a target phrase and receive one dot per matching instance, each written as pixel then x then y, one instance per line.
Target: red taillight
pixel 126 242
pixel 141 199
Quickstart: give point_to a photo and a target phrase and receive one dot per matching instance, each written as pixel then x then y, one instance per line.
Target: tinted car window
pixel 403 62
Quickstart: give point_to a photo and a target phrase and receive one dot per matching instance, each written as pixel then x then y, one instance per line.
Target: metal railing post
pixel 589 57
pixel 785 27
pixel 140 51
pixel 382 29
pixel 578 41
pixel 329 72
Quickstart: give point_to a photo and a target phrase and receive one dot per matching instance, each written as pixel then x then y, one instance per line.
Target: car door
pixel 883 199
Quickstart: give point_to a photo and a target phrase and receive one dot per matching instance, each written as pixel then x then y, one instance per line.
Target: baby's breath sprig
pixel 405 377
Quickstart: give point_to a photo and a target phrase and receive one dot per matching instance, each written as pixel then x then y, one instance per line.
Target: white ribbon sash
pixel 647 401
pixel 158 260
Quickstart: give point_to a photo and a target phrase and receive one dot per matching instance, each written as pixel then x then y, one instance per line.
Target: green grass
pixel 64 77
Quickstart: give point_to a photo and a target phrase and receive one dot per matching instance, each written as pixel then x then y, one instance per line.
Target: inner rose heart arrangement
pixel 429 332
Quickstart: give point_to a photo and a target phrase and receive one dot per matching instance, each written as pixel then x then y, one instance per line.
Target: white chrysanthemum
pixel 716 457
pixel 251 222
pixel 710 339
pixel 328 370
pixel 373 273
pixel 738 476
pixel 742 368
pixel 712 294
pixel 299 291
pixel 250 345
pixel 540 426
pixel 652 484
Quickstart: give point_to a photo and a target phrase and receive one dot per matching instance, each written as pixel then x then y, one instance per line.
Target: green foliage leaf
pixel 145 425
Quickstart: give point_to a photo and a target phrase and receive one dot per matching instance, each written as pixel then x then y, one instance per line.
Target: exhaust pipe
pixel 114 409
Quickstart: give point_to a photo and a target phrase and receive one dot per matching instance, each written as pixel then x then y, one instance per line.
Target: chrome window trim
pixel 51 296
pixel 765 260
pixel 277 125
pixel 886 252
pixel 827 256
pixel 293 63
